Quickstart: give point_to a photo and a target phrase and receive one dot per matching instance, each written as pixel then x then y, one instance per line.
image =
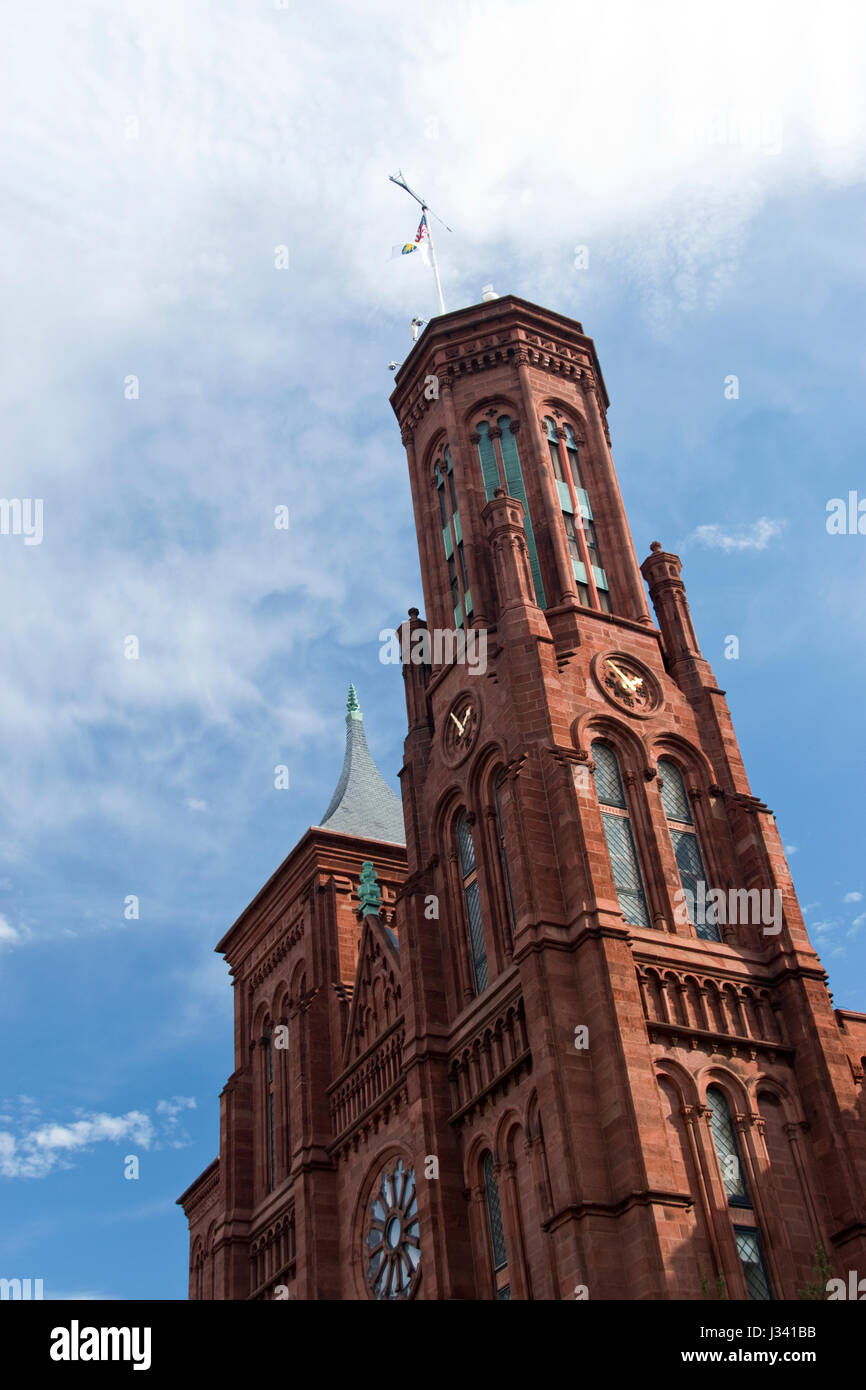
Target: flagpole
pixel 401 183
pixel 433 262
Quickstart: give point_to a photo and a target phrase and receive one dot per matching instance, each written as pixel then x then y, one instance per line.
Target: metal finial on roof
pixel 369 893
pixel 352 703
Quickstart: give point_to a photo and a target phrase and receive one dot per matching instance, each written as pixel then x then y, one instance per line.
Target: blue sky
pixel 157 155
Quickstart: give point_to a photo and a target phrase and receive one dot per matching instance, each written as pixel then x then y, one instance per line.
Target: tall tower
pixel 573 1038
pixel 619 1039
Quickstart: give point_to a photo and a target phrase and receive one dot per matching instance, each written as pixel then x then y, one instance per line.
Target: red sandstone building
pixel 510 1054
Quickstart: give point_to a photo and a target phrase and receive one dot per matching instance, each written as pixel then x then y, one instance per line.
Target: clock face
pixel 627 683
pixel 461 726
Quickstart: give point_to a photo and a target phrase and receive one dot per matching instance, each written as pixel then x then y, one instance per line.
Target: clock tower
pixel 566 1037
pixel 619 1029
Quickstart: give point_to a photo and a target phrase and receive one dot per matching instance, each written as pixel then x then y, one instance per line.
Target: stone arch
pixel 735 1089
pixel 575 414
pixel 692 761
pixel 482 1142
pixel 260 1020
pixel 487 764
pixel 500 404
pixel 298 983
pixel 681 1078
pixel 437 443
pixel 607 728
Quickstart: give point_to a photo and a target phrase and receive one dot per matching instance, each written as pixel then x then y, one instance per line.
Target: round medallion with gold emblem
pixel 461 726
pixel 627 683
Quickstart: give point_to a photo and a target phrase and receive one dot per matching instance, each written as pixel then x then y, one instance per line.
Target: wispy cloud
pixel 8 933
pixel 36 1152
pixel 173 1107
pixel 755 535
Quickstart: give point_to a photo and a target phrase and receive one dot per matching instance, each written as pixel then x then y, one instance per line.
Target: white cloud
pixel 36 1152
pixel 8 933
pixel 853 898
pixel 755 535
pixel 154 256
pixel 173 1107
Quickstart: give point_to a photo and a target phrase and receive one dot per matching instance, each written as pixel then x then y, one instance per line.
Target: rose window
pixel 392 1244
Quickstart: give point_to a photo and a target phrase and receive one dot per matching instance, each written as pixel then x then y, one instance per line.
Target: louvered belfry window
pixel 501 467
pixel 452 538
pixel 591 580
pixel 472 903
pixel 687 850
pixel 618 836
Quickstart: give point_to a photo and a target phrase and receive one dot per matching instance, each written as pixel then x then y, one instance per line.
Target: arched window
pixel 503 855
pixel 727 1150
pixel 284 1119
pixel 618 836
pixel 687 851
pixel 495 1231
pixel 577 519
pixel 500 467
pixel 270 1114
pixel 747 1237
pixel 452 537
pixel 472 903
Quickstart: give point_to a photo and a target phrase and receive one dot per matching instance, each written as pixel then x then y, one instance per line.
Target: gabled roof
pixel 363 803
pixel 376 995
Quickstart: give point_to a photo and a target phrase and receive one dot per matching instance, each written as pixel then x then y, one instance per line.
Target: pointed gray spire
pixel 363 803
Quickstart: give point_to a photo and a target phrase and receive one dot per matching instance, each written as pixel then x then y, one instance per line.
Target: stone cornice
pixel 506 331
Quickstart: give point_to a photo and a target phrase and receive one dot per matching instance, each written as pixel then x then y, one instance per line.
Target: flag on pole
pixel 420 243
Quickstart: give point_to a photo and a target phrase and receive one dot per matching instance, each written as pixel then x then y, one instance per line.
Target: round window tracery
pixel 392 1243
